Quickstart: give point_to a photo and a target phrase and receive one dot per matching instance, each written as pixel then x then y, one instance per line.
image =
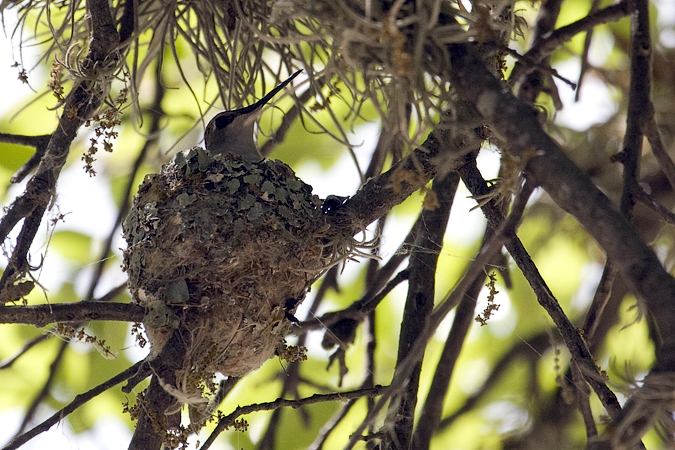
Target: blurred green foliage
pixel 559 246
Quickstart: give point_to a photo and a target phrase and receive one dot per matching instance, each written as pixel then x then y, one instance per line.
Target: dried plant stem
pixel 229 420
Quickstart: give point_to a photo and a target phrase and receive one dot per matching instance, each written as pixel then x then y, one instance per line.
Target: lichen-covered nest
pixel 223 250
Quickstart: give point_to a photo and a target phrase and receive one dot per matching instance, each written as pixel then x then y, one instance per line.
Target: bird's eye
pixel 223 121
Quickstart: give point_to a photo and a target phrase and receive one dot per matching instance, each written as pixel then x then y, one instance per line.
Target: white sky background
pixel 92 210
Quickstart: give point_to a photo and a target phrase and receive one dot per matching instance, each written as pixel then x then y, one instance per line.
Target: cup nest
pixel 222 250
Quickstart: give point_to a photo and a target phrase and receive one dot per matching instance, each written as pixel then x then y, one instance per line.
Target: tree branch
pixel 72 406
pixel 638 193
pixel 405 367
pixel 378 288
pixel 419 303
pixel 229 420
pixel 433 405
pixel 530 349
pixel 156 114
pixel 640 108
pixel 573 340
pixel 602 295
pixel 40 144
pixel 44 392
pixel 651 132
pixel 556 38
pixel 533 83
pixel 7 363
pixel 41 315
pixel 649 402
pixel 380 194
pixel 84 98
pixel 516 123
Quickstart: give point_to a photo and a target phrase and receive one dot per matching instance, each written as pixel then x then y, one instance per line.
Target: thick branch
pixel 433 405
pixel 382 193
pixel 516 123
pixel 41 315
pixel 406 367
pixel 573 340
pixel 420 302
pixel 153 423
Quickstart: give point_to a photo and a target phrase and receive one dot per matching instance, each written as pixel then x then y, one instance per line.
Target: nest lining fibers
pixel 220 249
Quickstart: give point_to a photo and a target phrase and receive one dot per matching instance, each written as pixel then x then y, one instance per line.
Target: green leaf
pixel 72 245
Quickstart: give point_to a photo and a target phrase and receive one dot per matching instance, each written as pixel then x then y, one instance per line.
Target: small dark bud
pixel 341 333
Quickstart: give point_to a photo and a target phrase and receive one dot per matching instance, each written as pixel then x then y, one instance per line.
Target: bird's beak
pixel 251 108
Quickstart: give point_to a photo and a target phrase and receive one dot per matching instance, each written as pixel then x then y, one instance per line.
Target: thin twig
pixel 652 134
pixel 584 55
pixel 530 349
pixel 229 420
pixel 358 309
pixel 286 122
pixel 7 363
pixel 535 80
pixel 639 194
pixel 378 288
pixel 40 144
pixel 44 392
pixel 72 406
pixel 156 114
pixel 18 263
pixel 405 367
pixel 583 401
pixel 573 340
pixel 548 44
pixel 602 295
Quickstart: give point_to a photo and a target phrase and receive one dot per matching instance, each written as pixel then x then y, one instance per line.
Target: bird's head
pixel 232 131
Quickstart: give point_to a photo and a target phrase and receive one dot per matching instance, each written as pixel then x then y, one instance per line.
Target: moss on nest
pixel 222 249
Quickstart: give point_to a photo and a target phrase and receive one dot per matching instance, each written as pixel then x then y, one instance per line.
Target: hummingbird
pixel 232 131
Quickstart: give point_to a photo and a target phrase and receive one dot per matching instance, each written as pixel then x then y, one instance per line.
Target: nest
pixel 223 250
